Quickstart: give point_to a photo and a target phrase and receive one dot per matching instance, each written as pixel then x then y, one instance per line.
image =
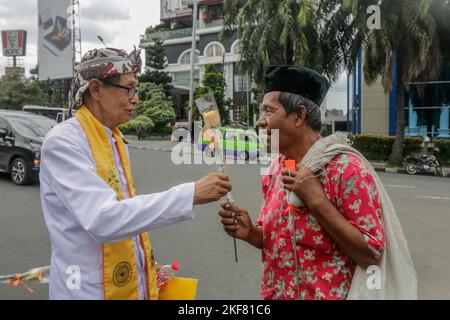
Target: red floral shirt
pixel 324 271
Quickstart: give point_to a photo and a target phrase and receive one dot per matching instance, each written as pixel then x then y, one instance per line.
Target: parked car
pixel 21 138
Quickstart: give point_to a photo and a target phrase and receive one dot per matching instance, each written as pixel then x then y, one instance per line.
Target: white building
pixel 176 32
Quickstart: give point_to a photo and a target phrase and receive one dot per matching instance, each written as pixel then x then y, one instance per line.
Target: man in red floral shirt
pixel 311 252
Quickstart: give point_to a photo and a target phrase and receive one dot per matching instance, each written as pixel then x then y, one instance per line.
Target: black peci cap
pixel 302 81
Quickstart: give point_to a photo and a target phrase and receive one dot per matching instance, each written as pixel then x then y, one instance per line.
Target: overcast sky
pixel 119 23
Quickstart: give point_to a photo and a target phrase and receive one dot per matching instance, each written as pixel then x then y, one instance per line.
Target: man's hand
pixel 310 190
pixel 211 188
pixel 237 223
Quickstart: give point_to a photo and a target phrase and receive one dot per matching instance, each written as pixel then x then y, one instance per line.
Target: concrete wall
pixel 375 109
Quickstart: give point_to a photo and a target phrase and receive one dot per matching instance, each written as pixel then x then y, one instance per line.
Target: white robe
pixel 82 213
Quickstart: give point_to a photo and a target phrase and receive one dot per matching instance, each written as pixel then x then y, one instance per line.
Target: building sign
pixel 14 43
pixel 55 49
pixel 20 70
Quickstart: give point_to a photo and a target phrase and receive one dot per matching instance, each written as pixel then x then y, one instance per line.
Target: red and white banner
pixel 14 43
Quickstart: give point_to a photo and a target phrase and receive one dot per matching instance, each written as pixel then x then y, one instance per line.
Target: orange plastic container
pixel 179 289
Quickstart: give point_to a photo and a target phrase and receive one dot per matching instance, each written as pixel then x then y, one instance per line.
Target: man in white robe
pixel 81 210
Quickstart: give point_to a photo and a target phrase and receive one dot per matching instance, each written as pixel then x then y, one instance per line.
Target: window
pixel 183 79
pixel 237 113
pixel 32 126
pixel 241 83
pixel 241 79
pixel 214 50
pixel 229 135
pixel 235 48
pixel 428 109
pixel 185 58
pixel 244 137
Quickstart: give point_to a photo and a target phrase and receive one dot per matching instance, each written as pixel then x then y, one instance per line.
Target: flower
pixel 175 266
pixel 207 17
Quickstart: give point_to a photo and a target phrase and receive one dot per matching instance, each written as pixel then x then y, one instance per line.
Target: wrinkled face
pixel 116 105
pixel 273 116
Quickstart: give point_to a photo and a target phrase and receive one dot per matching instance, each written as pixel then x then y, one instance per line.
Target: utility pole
pixel 76 33
pixel 348 101
pixel 248 100
pixel 193 57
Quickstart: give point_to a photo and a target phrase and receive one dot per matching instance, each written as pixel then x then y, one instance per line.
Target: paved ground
pixel 167 146
pixel 202 248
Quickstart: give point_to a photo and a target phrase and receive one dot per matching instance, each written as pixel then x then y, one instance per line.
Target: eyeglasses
pixel 131 90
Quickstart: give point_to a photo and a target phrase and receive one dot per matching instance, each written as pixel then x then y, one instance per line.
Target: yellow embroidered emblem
pixel 122 274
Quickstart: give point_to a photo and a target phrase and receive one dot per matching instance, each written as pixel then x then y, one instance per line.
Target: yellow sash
pixel 119 265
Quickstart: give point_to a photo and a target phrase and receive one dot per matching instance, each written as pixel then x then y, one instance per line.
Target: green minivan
pixel 237 142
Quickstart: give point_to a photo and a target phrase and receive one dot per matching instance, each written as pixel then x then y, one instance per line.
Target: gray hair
pixel 291 102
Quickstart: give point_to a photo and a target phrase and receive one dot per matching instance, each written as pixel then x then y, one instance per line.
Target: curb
pixel 403 171
pixel 151 149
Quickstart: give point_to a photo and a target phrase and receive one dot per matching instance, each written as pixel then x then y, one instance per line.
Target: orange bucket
pixel 179 289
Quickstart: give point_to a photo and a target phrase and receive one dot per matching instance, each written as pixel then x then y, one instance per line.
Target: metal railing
pixel 180 33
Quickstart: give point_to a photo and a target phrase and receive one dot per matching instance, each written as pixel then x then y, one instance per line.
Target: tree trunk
pixel 396 157
pixel 289 52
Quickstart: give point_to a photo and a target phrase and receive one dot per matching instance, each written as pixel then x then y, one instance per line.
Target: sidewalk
pixel 165 145
pixel 381 167
pixel 153 143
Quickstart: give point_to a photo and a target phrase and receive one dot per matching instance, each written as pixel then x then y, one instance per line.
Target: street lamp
pixel 101 40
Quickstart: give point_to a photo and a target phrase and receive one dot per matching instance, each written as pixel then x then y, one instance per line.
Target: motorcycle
pixel 424 162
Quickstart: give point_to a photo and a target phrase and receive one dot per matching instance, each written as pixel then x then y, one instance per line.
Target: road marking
pixel 433 198
pixel 395 186
pixel 424 197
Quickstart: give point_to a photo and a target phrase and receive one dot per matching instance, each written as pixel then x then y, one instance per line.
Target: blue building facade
pixel 427 106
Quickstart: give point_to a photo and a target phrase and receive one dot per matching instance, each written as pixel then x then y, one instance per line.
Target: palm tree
pixel 288 32
pixel 441 13
pixel 327 34
pixel 407 39
pixel 440 9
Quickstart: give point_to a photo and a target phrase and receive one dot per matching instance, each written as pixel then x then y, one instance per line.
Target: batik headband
pixel 101 64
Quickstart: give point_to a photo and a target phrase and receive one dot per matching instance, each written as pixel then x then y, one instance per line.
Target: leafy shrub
pixel 129 128
pixel 379 148
pixel 164 131
pixel 444 148
pixel 155 105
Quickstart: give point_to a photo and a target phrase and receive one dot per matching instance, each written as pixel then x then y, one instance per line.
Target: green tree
pixel 130 126
pixel 156 61
pixel 326 35
pixel 407 39
pixel 213 81
pixel 440 10
pixel 150 30
pixel 290 32
pixel 17 91
pixel 155 105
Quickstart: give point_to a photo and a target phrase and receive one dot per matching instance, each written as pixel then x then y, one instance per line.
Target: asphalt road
pixel 202 248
